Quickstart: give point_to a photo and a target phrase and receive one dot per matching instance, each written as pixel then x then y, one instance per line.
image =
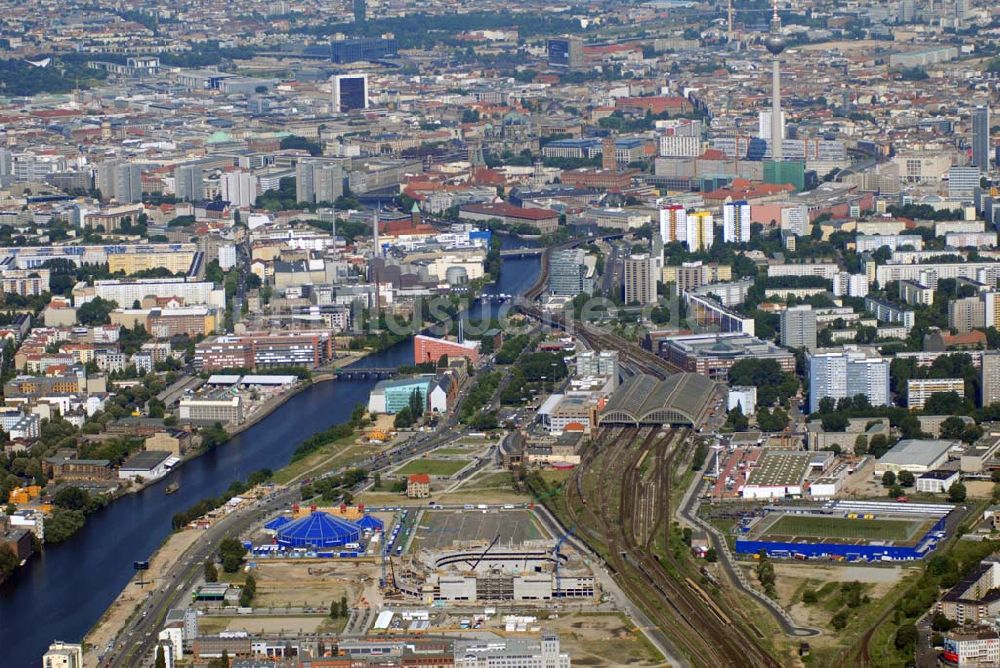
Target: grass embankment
pixel 436 467
pixel 334 454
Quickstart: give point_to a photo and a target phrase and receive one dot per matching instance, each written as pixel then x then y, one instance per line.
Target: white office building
pixel 63 655
pixel 590 364
pixel 227 257
pixel 511 653
pixel 744 396
pixel 239 188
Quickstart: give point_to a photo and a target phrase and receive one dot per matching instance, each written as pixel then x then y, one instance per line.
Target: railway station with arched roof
pixel 683 399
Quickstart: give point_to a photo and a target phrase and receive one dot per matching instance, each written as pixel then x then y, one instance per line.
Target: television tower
pixel 775 44
pixel 729 26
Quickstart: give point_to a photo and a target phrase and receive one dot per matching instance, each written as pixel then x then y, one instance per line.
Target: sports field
pixel 812 526
pixel 442 467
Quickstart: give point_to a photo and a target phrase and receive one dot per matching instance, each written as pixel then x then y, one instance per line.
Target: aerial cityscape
pixel 374 334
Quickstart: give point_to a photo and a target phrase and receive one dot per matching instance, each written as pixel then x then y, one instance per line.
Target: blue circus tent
pixel 277 522
pixel 370 523
pixel 319 529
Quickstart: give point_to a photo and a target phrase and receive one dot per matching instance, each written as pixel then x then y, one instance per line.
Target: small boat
pixel 171 488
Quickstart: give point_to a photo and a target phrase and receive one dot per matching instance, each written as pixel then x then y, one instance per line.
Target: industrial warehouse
pixel 683 399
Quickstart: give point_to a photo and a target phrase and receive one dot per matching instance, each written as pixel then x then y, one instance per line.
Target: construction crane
pixel 555 554
pixel 489 547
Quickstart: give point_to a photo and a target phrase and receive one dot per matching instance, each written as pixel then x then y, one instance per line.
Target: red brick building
pixel 430 349
pixel 656 105
pixel 545 220
pixel 601 179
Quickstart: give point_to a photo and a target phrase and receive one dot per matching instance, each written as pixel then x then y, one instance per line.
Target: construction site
pixel 488 555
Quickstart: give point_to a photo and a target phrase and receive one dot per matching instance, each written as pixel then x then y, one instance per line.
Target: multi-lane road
pixel 135 642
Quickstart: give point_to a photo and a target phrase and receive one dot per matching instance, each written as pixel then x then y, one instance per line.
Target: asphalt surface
pixel 614 268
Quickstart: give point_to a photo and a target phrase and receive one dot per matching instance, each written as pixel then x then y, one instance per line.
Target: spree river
pixel 64 590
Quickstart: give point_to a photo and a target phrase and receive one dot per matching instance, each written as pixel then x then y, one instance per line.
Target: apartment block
pixel 966 314
pixel 700 234
pixel 706 313
pixel 827 271
pixel 798 327
pixel 640 280
pixel 736 222
pixel 919 390
pixel 847 372
pixel 914 293
pixel 850 285
pixel 673 223
pixel 693 274
pixel 886 312
pixel 990 377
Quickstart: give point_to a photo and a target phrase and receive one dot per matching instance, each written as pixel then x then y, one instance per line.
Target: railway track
pixel 628 513
pixel 630 354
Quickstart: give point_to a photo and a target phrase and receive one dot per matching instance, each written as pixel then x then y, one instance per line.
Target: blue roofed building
pixel 319 530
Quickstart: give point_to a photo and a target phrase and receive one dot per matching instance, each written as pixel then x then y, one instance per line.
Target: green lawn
pixel 501 479
pixel 842 527
pixel 327 457
pixel 448 452
pixel 442 467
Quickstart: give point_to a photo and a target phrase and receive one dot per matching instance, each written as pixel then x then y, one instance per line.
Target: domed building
pixel 318 530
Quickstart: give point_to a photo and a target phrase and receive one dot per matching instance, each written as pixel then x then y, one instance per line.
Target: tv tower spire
pixel 729 28
pixel 775 44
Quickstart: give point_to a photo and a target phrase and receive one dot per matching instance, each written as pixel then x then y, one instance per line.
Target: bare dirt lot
pixel 602 639
pixel 311 584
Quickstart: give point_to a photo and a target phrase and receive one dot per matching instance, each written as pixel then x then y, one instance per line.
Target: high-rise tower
pixel 981 138
pixel 775 44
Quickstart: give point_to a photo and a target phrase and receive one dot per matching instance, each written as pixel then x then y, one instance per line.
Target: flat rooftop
pixel 916 452
pixel 780 469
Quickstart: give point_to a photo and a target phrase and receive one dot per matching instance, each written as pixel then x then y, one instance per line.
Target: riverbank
pixel 131 597
pixel 175 548
pixel 263 411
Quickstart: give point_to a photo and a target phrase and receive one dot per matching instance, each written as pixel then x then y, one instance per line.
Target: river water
pixel 64 591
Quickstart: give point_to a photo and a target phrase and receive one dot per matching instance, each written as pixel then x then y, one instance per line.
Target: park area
pixel 433 467
pixel 788 527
